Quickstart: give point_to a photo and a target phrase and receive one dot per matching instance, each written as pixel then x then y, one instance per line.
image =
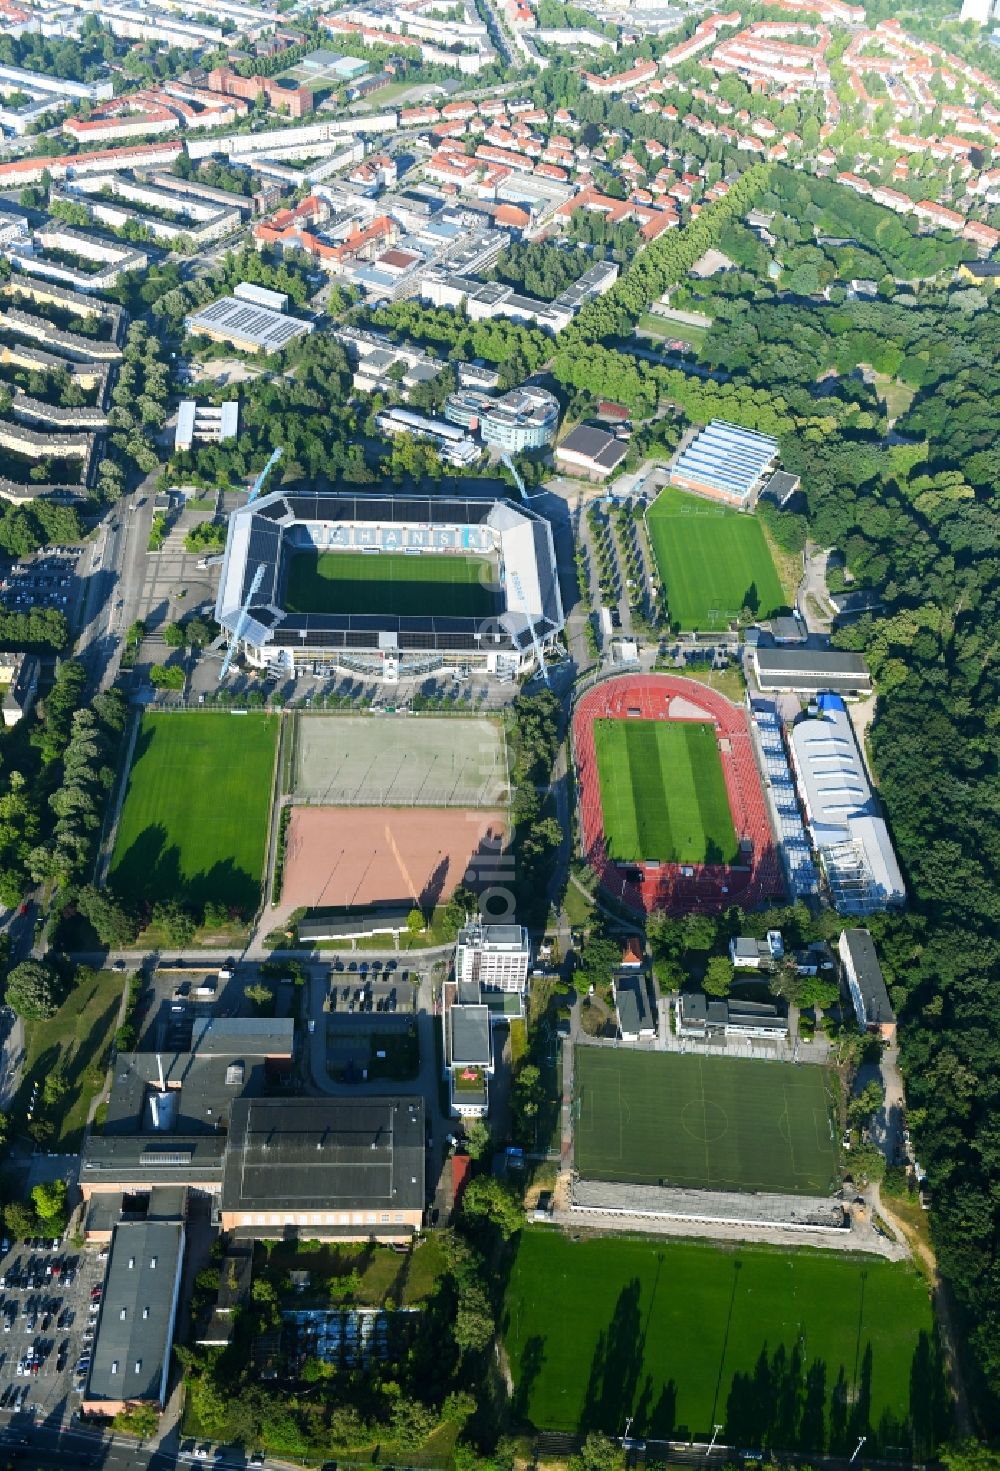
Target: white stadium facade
pixel 266 533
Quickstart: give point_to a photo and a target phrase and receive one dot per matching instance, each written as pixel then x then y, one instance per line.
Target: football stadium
pixel 389 586
pixel 671 803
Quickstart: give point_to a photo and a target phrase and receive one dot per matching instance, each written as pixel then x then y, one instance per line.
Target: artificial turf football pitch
pixel 194 823
pixel 401 584
pixel 663 794
pixel 711 1123
pixel 713 561
pixel 793 1350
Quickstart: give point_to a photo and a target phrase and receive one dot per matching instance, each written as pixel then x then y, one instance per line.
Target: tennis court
pixel 663 793
pixel 713 561
pixel 702 1122
pixel 401 584
pixel 400 761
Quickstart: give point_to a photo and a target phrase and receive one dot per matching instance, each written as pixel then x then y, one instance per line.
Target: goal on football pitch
pixel 702 1122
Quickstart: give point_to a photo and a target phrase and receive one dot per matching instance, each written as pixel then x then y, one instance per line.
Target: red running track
pixel 666 886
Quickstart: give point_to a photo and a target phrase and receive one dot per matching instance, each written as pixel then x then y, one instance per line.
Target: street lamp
pixel 711 1444
pixel 861 1441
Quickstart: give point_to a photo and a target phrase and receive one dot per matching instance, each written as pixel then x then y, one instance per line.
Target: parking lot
pixel 363 989
pixel 48 1314
pixel 45 581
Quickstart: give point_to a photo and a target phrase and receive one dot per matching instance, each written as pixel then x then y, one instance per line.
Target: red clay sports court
pixel 679 888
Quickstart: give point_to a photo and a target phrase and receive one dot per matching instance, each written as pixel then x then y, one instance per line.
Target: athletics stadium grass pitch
pixel 194 823
pixel 796 1350
pixel 713 561
pixel 400 584
pixel 663 793
pixel 711 1123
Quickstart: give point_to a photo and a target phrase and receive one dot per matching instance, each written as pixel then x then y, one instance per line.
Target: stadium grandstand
pixel 726 463
pixel 849 834
pixel 395 585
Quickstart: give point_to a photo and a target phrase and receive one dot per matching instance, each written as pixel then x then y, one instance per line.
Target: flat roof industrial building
pixel 727 463
pixel 245 325
pixel 866 983
pixel 130 1361
pixel 350 1167
pixel 807 671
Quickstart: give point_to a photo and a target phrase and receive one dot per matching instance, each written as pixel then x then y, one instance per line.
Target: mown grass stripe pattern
pixel 702 1123
pixel 794 1350
pixel 400 584
pixel 194 823
pixel 712 561
pixel 663 792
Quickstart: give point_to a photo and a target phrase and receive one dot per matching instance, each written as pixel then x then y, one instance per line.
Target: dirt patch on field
pixel 358 855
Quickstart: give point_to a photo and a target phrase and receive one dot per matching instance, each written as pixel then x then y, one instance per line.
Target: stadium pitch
pixel 663 793
pixel 710 1123
pixel 194 822
pixel 792 1350
pixel 713 561
pixel 399 584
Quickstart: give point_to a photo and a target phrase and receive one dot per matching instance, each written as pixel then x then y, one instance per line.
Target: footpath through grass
pixel 663 793
pixel 405 585
pixel 77 1042
pixel 786 1350
pixel 194 823
pixel 713 561
pixel 702 1122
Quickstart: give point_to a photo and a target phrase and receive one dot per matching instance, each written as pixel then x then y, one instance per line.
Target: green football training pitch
pixel 194 824
pixel 713 561
pixel 795 1350
pixel 663 794
pixel 405 585
pixel 702 1122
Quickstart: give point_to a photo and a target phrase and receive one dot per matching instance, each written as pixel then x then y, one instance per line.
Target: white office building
pixel 497 956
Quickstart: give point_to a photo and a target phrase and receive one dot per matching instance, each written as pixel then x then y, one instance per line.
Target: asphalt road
pixel 115 572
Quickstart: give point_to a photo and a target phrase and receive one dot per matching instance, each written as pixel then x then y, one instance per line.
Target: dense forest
pixel 914 514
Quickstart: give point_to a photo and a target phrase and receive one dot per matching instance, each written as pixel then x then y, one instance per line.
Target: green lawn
pixel 792 1350
pixel 702 1122
pixel 408 1278
pixel 663 793
pixel 194 823
pixel 713 561
pixel 76 1040
pixel 403 584
pixel 651 324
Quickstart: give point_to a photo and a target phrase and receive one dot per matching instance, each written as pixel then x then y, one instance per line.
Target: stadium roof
pixel 262 531
pixel 326 1154
pixel 726 459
